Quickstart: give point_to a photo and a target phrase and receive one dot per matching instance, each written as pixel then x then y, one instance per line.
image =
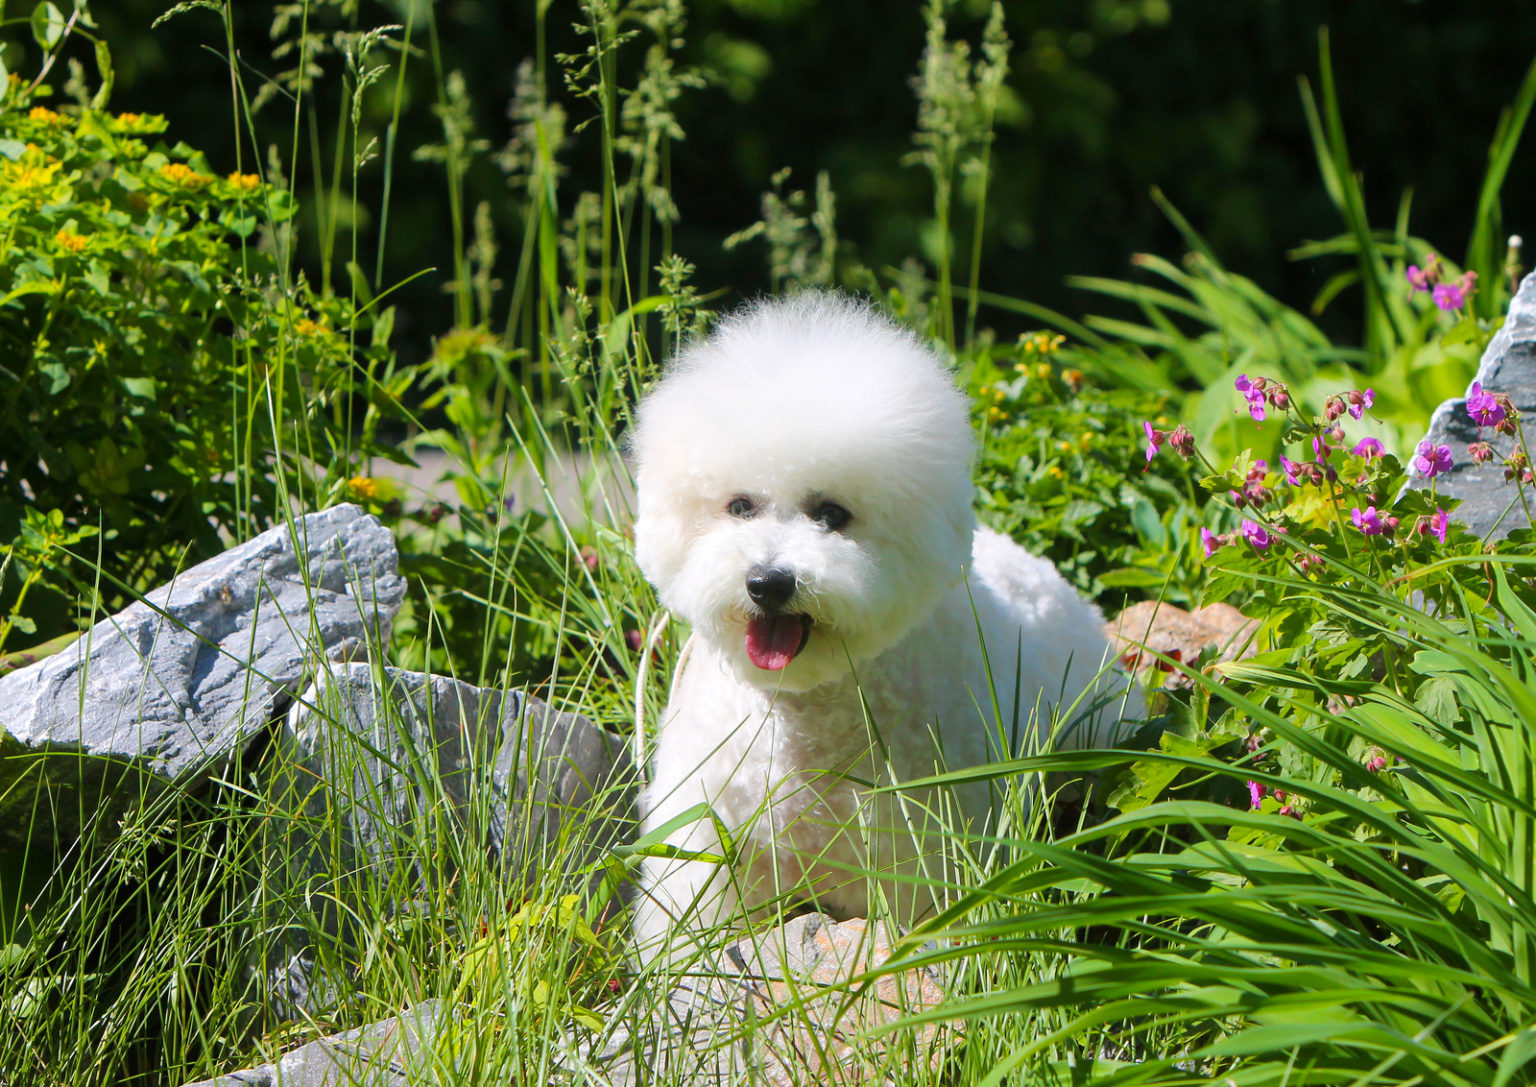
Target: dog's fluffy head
pixel 804 487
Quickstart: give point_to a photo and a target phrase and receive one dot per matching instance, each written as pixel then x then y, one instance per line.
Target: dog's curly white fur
pixel 804 501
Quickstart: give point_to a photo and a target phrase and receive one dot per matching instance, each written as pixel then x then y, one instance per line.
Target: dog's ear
pixel 661 534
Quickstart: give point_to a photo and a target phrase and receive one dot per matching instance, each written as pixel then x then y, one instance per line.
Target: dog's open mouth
pixel 773 640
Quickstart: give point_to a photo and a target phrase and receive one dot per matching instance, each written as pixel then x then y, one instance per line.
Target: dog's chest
pixel 813 758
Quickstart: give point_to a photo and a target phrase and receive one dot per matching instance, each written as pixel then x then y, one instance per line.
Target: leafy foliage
pixel 161 371
pixel 1060 473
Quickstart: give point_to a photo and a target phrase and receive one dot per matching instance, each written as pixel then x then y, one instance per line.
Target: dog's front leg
pixel 682 899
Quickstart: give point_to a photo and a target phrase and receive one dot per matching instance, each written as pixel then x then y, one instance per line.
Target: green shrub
pixel 1059 472
pixel 161 372
pixel 1325 877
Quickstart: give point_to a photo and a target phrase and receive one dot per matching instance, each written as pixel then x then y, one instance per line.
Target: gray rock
pixel 170 689
pixel 392 1053
pixel 392 770
pixel 1490 505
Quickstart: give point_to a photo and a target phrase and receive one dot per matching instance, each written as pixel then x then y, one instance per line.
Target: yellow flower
pixel 1073 378
pixel 45 115
pixel 30 174
pixel 243 182
pixel 69 241
pixel 1042 343
pixel 305 327
pixel 137 122
pixel 184 175
pixel 363 488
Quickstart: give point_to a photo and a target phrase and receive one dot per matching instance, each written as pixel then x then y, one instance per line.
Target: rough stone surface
pixel 175 685
pixel 396 1052
pixel 1179 634
pixel 1508 366
pixel 389 768
pixel 777 1012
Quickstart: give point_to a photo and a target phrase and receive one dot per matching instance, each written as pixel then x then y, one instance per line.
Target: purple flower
pixel 1255 534
pixel 1368 522
pixel 1253 392
pixel 1449 296
pixel 1360 403
pixel 1291 469
pixel 1484 407
pixel 1210 542
pixel 1154 443
pixel 1368 448
pixel 1432 459
pixel 1256 794
pixel 1418 280
pixel 1320 448
pixel 1438 524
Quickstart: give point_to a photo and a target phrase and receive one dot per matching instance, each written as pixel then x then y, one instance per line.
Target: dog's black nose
pixel 770 587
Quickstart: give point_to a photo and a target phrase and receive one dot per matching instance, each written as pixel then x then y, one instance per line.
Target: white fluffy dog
pixel 805 503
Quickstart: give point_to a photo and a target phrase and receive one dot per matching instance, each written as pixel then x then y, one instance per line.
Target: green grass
pixel 1384 938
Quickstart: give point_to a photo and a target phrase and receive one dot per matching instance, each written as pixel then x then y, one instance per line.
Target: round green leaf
pixel 47 24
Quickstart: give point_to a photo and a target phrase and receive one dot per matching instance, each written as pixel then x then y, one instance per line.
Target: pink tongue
pixel 773 640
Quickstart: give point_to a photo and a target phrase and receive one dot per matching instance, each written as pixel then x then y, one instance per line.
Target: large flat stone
pixel 395 1052
pixel 380 772
pixel 170 689
pixel 1508 366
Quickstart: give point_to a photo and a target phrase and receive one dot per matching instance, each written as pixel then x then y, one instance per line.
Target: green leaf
pixel 383 329
pixel 104 69
pixel 1144 517
pixel 58 373
pixel 1150 777
pixel 1465 330
pixel 47 24
pixel 282 205
pixel 242 226
pixel 360 287
pixel 1131 577
pixel 98 279
pixel 141 387
pixel 11 149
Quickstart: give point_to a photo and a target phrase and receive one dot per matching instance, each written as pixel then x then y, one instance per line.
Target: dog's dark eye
pixel 741 506
pixel 831 516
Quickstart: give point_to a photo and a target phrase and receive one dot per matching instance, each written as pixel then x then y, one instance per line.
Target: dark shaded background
pixel 1198 98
